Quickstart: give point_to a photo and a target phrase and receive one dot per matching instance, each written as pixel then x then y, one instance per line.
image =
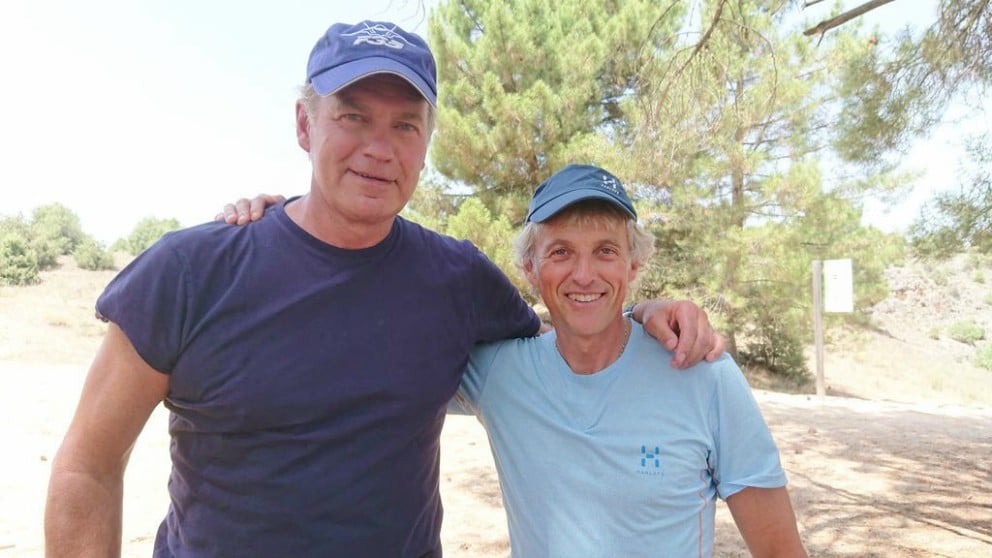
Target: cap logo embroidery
pixel 609 183
pixel 378 35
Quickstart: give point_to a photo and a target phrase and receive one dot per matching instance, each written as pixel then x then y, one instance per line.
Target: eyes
pixel 561 252
pixel 355 120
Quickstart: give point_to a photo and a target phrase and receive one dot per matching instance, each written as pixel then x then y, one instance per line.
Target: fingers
pixel 244 210
pixel 230 215
pixel 257 205
pixel 719 346
pixel 695 336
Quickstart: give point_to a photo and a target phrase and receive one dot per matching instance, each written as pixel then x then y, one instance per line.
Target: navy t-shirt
pixel 308 383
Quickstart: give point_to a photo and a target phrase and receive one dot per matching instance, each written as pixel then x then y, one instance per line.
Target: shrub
pixel 934 333
pixel 966 332
pixel 93 256
pixel 18 262
pixel 146 233
pixel 46 251
pixel 58 225
pixel 983 357
pixel 774 349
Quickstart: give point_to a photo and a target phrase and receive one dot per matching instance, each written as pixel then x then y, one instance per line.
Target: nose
pixel 378 146
pixel 583 273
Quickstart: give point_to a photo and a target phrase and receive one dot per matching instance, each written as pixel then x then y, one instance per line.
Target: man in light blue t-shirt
pixel 600 451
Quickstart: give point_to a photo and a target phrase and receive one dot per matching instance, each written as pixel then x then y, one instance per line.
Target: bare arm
pixel 85 493
pixel 682 327
pixel 765 519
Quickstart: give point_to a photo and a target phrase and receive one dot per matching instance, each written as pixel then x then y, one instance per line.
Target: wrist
pixel 628 312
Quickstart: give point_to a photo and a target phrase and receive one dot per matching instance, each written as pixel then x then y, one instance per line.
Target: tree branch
pixel 828 24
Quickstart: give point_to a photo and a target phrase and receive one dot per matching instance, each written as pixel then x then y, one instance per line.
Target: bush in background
pixel 18 263
pixel 58 226
pixel 983 357
pixel 93 256
pixel 966 332
pixel 144 234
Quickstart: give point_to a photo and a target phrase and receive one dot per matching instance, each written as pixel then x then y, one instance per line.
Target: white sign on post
pixel 838 286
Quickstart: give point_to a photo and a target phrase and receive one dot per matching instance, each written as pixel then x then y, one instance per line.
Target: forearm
pixel 83 515
pixel 767 522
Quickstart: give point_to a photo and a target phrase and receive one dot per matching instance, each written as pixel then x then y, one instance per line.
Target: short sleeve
pixel 473 384
pixel 746 454
pixel 498 308
pixel 148 300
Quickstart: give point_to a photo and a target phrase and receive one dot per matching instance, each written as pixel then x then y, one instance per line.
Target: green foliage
pixel 531 86
pixel 718 119
pixel 966 332
pixel 778 350
pixel 46 250
pixel 144 234
pixel 956 221
pixel 58 226
pixel 901 87
pixel 934 333
pixel 18 263
pixel 492 234
pixel 432 202
pixel 93 256
pixel 983 357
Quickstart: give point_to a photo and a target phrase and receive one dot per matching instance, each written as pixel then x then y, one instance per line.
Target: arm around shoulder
pixel 85 492
pixel 767 523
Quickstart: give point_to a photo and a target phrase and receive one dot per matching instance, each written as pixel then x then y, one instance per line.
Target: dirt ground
pixel 876 469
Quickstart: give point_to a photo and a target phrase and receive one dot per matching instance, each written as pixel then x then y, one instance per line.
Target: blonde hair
pixel 587 213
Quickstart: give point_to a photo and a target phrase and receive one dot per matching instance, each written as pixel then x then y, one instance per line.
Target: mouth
pixel 584 297
pixel 373 177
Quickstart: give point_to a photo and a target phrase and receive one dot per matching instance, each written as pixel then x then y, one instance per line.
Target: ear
pixel 302 126
pixel 530 271
pixel 635 268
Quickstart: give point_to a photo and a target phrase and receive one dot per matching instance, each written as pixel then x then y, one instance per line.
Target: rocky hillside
pixel 908 353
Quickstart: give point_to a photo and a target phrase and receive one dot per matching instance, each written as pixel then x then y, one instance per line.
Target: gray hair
pixel 309 97
pixel 586 213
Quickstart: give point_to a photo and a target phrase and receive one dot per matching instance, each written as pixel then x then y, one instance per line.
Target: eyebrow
pixel 350 102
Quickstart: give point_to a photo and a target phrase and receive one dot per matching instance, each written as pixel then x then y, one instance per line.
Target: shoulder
pixel 417 233
pixel 655 361
pixel 500 353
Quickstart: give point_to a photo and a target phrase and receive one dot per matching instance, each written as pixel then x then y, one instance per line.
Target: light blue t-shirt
pixel 625 462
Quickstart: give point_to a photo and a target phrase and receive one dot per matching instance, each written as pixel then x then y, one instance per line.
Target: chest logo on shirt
pixel 650 461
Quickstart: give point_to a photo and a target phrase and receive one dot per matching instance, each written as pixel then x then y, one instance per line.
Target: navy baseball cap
pixel 573 184
pixel 347 53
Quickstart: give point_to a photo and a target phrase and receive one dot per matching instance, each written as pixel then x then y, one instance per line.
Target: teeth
pixel 583 297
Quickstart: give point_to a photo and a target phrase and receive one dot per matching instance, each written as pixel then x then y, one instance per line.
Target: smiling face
pixel 367 144
pixel 582 267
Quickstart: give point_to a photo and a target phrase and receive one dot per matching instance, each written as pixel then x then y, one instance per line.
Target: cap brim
pixel 553 206
pixel 333 80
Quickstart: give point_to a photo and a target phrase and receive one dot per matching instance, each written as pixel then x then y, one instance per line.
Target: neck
pixel 588 355
pixel 320 223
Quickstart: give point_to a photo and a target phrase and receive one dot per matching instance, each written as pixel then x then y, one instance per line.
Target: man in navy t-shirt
pixel 306 360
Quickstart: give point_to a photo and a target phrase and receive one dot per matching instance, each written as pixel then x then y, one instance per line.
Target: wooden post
pixel 821 387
